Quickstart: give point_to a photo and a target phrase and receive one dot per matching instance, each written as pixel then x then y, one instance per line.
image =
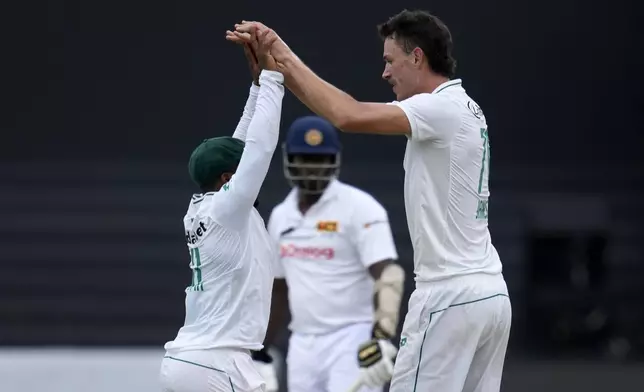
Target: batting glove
pixel 376 359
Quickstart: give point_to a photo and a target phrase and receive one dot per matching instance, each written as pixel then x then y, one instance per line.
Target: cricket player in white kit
pixel 336 256
pixel 231 254
pixel 456 331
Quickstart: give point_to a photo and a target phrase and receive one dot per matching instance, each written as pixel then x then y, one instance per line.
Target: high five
pixel 455 334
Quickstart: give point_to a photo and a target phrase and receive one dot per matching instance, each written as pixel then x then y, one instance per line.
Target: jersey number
pixel 195 266
pixel 483 189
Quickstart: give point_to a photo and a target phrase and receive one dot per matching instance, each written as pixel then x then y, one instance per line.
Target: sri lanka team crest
pixel 328 226
pixel 313 137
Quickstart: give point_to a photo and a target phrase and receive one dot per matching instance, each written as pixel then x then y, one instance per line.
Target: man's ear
pixel 418 56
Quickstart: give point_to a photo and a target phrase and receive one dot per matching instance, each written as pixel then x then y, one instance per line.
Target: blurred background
pixel 102 103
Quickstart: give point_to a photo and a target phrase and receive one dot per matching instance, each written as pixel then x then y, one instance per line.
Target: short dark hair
pixel 421 29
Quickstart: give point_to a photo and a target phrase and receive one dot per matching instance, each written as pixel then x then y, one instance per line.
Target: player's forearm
pixel 247 115
pixel 321 97
pixel 346 113
pixel 279 311
pixel 261 138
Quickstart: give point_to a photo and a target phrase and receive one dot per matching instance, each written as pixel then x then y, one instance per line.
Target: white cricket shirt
pixel 446 184
pixel 324 255
pixel 231 254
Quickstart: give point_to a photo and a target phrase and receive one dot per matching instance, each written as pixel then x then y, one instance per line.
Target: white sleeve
pixel 236 198
pixel 247 115
pixel 273 232
pixel 373 237
pixel 431 117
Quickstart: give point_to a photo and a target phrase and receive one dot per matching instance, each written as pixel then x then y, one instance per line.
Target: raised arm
pixel 324 99
pixel 421 117
pixel 247 115
pixel 249 108
pixel 345 112
pixel 237 196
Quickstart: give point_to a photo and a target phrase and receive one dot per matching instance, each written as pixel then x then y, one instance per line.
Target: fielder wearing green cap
pixel 228 300
pixel 214 160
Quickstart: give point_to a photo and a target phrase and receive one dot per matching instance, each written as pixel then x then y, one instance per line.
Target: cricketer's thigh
pixel 455 336
pixel 210 371
pixel 326 363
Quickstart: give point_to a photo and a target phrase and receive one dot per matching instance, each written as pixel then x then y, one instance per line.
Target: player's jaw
pixel 403 78
pixel 398 88
pixel 396 93
pixel 387 75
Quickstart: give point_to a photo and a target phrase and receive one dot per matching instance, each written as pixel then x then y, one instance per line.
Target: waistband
pixel 493 281
pixel 219 351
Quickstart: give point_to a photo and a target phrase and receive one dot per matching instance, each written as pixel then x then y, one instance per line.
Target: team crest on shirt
pixel 328 226
pixel 475 109
pixel 313 137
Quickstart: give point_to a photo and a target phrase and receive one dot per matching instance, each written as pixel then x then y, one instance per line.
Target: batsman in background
pixel 231 254
pixel 456 331
pixel 336 269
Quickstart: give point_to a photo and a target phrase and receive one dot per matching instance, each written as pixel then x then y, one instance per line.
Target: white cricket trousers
pixel 216 370
pixel 455 336
pixel 326 363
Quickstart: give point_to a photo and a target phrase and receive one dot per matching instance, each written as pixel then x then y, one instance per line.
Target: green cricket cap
pixel 213 157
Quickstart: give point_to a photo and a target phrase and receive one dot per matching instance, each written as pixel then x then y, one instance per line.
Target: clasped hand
pixel 262 43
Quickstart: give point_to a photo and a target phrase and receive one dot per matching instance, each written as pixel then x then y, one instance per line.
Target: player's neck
pixel 306 201
pixel 433 81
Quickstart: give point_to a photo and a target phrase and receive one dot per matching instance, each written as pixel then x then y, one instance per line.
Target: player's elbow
pixel 351 118
pixel 344 123
pixel 377 118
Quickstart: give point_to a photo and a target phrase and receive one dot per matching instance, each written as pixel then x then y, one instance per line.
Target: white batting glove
pixel 376 359
pixel 264 364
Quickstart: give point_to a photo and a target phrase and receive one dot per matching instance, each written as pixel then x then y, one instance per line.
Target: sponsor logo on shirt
pixel 328 226
pixel 192 236
pixel 306 252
